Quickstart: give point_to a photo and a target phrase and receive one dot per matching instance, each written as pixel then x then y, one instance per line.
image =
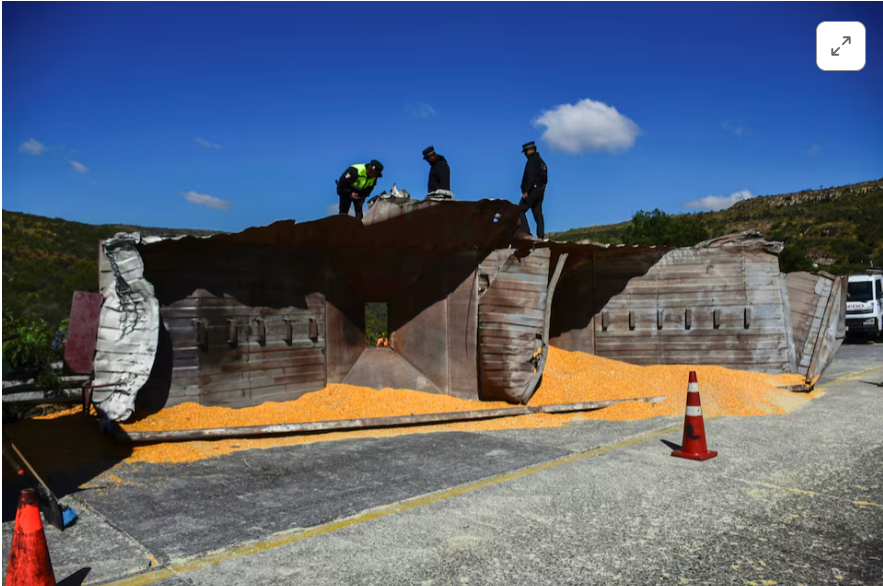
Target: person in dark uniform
pixel 439 171
pixel 356 184
pixel 533 188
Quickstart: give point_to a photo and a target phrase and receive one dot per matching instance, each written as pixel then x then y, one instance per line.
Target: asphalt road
pixel 792 499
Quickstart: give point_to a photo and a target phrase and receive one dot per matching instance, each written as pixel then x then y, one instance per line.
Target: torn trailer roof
pixel 271 313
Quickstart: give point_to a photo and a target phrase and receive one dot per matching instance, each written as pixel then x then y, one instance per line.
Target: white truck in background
pixel 864 304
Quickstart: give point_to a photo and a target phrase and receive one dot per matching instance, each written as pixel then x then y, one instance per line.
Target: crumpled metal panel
pixel 445 267
pixel 511 317
pixel 128 332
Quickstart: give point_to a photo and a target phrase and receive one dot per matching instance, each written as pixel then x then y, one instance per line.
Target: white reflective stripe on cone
pixel 692 387
pixel 694 411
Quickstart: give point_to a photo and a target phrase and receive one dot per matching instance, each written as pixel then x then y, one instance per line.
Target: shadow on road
pixel 75 579
pixel 66 451
pixel 672 445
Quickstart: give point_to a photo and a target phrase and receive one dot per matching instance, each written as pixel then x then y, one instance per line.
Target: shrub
pixel 32 353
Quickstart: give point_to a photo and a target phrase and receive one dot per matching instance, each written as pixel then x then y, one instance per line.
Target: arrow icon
pixel 834 52
pixel 848 40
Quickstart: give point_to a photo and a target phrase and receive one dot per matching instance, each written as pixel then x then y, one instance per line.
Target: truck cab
pixel 864 304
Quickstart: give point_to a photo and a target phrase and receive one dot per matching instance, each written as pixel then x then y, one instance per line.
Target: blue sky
pixel 225 116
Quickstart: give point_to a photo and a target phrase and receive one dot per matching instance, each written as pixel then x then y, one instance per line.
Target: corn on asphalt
pixel 791 499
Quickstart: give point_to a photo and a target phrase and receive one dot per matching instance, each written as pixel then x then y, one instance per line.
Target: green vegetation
pixel 376 322
pixel 31 353
pixel 839 229
pixel 657 228
pixel 46 259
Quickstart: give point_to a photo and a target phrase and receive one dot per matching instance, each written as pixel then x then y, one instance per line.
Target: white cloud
pixel 732 128
pixel 206 200
pixel 587 126
pixel 719 202
pixel 79 167
pixel 207 144
pixel 33 146
pixel 420 110
pixel 816 149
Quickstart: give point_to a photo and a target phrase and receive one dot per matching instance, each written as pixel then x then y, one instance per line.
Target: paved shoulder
pixel 178 511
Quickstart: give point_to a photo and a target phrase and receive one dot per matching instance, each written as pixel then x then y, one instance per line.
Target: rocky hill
pixel 838 228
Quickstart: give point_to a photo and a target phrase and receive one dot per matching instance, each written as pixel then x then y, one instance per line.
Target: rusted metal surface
pixel 271 313
pixel 544 352
pixel 120 435
pixel 384 368
pixel 832 330
pixel 315 426
pixel 717 285
pixel 590 406
pixel 82 333
pixel 511 319
pixel 433 323
pixel 818 311
pixel 591 277
pixel 721 302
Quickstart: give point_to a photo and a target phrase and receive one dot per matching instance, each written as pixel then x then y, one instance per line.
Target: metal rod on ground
pixel 121 435
pixel 571 407
pixel 41 397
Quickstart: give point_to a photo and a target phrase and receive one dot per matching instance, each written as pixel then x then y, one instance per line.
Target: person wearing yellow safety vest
pixel 356 184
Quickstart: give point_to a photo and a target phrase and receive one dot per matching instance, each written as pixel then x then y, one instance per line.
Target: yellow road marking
pixel 808 492
pixel 851 377
pixel 212 559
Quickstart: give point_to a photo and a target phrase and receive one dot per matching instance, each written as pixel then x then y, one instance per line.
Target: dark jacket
pixel 439 175
pixel 536 175
pixel 345 184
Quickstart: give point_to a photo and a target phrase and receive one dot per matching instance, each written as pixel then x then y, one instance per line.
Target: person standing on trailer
pixel 439 174
pixel 356 184
pixel 533 188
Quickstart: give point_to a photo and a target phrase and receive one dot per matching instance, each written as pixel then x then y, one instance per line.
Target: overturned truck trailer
pixel 271 313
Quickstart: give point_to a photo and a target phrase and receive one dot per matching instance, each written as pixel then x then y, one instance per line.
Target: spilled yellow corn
pixel 67 439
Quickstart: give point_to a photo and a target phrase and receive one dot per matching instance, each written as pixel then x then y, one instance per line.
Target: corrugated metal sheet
pixel 807 298
pixel 823 330
pixel 646 323
pixel 513 292
pixel 243 335
pixel 722 302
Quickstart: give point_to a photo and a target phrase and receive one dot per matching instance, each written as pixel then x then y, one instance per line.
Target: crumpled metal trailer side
pixel 721 302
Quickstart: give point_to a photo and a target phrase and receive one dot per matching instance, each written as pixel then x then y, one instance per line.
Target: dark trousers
pixel 534 203
pixel 345 201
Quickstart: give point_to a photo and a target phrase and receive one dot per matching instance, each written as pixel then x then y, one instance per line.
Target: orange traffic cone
pixel 693 446
pixel 29 563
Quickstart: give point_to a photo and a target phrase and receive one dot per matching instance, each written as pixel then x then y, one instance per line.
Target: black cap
pixel 530 145
pixel 428 151
pixel 376 166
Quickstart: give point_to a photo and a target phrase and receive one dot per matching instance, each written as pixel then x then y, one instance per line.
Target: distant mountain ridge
pixel 839 228
pixel 46 259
